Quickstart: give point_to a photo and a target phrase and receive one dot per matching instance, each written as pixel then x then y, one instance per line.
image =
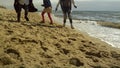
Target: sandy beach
pixel 41 45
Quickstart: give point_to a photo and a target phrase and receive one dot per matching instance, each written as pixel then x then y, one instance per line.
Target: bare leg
pixel 49 15
pixel 43 19
pixel 65 17
pixel 70 19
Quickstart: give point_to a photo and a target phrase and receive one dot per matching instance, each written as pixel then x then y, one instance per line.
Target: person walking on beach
pixel 18 5
pixel 66 6
pixel 47 9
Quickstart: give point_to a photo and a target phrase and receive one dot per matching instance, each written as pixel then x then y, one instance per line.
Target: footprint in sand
pixel 11 56
pixel 22 41
pixel 115 55
pixel 44 48
pixel 6 60
pixel 64 51
pixel 99 54
pixel 13 53
pixel 58 45
pixel 76 62
pixel 9 32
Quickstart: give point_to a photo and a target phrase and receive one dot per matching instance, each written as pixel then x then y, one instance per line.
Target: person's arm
pixel 57 5
pixel 74 4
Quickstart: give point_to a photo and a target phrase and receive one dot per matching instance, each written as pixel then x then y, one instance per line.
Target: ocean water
pixel 86 21
pixel 109 35
pixel 108 16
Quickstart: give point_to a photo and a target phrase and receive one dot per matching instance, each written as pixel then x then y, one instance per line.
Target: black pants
pixel 18 9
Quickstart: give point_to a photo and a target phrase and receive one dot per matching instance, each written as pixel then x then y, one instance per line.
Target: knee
pixel 42 13
pixel 65 16
pixel 69 16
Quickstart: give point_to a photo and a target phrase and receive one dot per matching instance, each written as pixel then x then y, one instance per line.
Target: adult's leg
pixel 64 9
pixel 26 12
pixel 19 12
pixel 65 17
pixel 70 19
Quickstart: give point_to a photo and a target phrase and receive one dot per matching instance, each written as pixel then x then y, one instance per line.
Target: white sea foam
pixel 108 35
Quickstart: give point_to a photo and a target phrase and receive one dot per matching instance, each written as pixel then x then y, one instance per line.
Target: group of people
pixel 66 6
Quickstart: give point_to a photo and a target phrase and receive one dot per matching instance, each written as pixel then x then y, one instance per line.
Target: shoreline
pixel 96 23
pixel 101 23
pixel 109 24
pixel 33 44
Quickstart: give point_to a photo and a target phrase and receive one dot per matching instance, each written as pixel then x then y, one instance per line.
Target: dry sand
pixel 41 45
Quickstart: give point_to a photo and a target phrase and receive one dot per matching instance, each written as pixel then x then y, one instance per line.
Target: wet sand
pixel 34 45
pixel 109 24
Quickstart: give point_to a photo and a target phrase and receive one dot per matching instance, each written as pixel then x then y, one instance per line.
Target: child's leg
pixel 43 19
pixel 49 15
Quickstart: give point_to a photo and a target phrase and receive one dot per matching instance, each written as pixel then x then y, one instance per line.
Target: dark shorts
pixel 30 7
pixel 66 9
pixel 18 7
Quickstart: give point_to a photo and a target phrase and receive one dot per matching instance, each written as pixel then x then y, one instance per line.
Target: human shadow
pixel 2 19
pixel 12 21
pixel 50 25
pixel 28 23
pixel 41 25
pixel 8 20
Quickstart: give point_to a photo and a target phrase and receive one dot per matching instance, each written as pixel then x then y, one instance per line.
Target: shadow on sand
pixel 42 25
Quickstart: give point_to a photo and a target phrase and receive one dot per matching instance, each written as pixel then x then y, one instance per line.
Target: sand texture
pixel 41 45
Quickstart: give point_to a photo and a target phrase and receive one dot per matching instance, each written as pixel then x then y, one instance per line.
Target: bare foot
pixel 42 22
pixel 51 23
pixel 72 27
